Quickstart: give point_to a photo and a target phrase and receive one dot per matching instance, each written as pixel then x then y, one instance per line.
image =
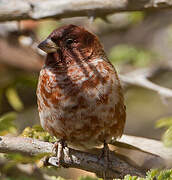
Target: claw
pixel 59 146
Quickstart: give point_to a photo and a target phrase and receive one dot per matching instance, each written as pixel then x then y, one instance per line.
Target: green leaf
pixel 38 132
pixel 88 178
pixel 128 177
pixel 151 174
pixel 167 137
pixel 38 127
pixel 164 122
pixel 7 123
pixel 14 99
pixel 165 175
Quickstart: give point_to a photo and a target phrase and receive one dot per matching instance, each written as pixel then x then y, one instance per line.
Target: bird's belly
pixel 85 110
pixel 84 120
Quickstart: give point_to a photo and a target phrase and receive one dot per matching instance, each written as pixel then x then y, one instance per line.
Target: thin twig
pixel 140 78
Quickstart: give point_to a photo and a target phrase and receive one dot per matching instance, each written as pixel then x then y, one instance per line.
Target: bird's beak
pixel 48 46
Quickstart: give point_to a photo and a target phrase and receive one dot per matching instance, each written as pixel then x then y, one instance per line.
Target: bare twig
pixel 77 159
pixel 31 9
pixel 140 78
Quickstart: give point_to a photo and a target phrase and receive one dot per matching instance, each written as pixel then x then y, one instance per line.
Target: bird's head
pixel 73 42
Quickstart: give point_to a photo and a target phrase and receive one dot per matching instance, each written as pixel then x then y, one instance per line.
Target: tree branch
pixel 123 162
pixel 140 78
pixel 76 159
pixel 31 9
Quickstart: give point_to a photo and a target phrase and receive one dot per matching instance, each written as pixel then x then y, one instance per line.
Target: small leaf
pixel 88 178
pixel 38 132
pixel 38 127
pixel 151 174
pixel 14 99
pixel 165 175
pixel 164 122
pixel 167 137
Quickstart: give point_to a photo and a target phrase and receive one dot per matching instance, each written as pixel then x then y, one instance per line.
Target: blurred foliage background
pixel 132 41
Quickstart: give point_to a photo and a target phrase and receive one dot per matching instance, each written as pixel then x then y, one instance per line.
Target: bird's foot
pixel 59 147
pixel 105 157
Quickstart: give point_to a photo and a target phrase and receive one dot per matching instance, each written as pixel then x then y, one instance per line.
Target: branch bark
pixel 90 161
pixel 76 159
pixel 31 9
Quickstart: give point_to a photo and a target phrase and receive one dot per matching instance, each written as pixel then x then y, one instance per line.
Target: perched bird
pixel 80 100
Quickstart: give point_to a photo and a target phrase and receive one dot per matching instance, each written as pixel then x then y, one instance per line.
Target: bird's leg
pixel 106 153
pixel 105 156
pixel 59 146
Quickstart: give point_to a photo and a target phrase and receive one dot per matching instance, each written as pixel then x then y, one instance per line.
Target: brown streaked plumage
pixel 80 99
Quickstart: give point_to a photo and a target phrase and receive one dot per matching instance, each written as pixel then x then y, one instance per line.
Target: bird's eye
pixel 69 41
pixel 53 39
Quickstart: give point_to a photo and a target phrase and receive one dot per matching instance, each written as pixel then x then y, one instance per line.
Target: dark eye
pixel 53 39
pixel 69 41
